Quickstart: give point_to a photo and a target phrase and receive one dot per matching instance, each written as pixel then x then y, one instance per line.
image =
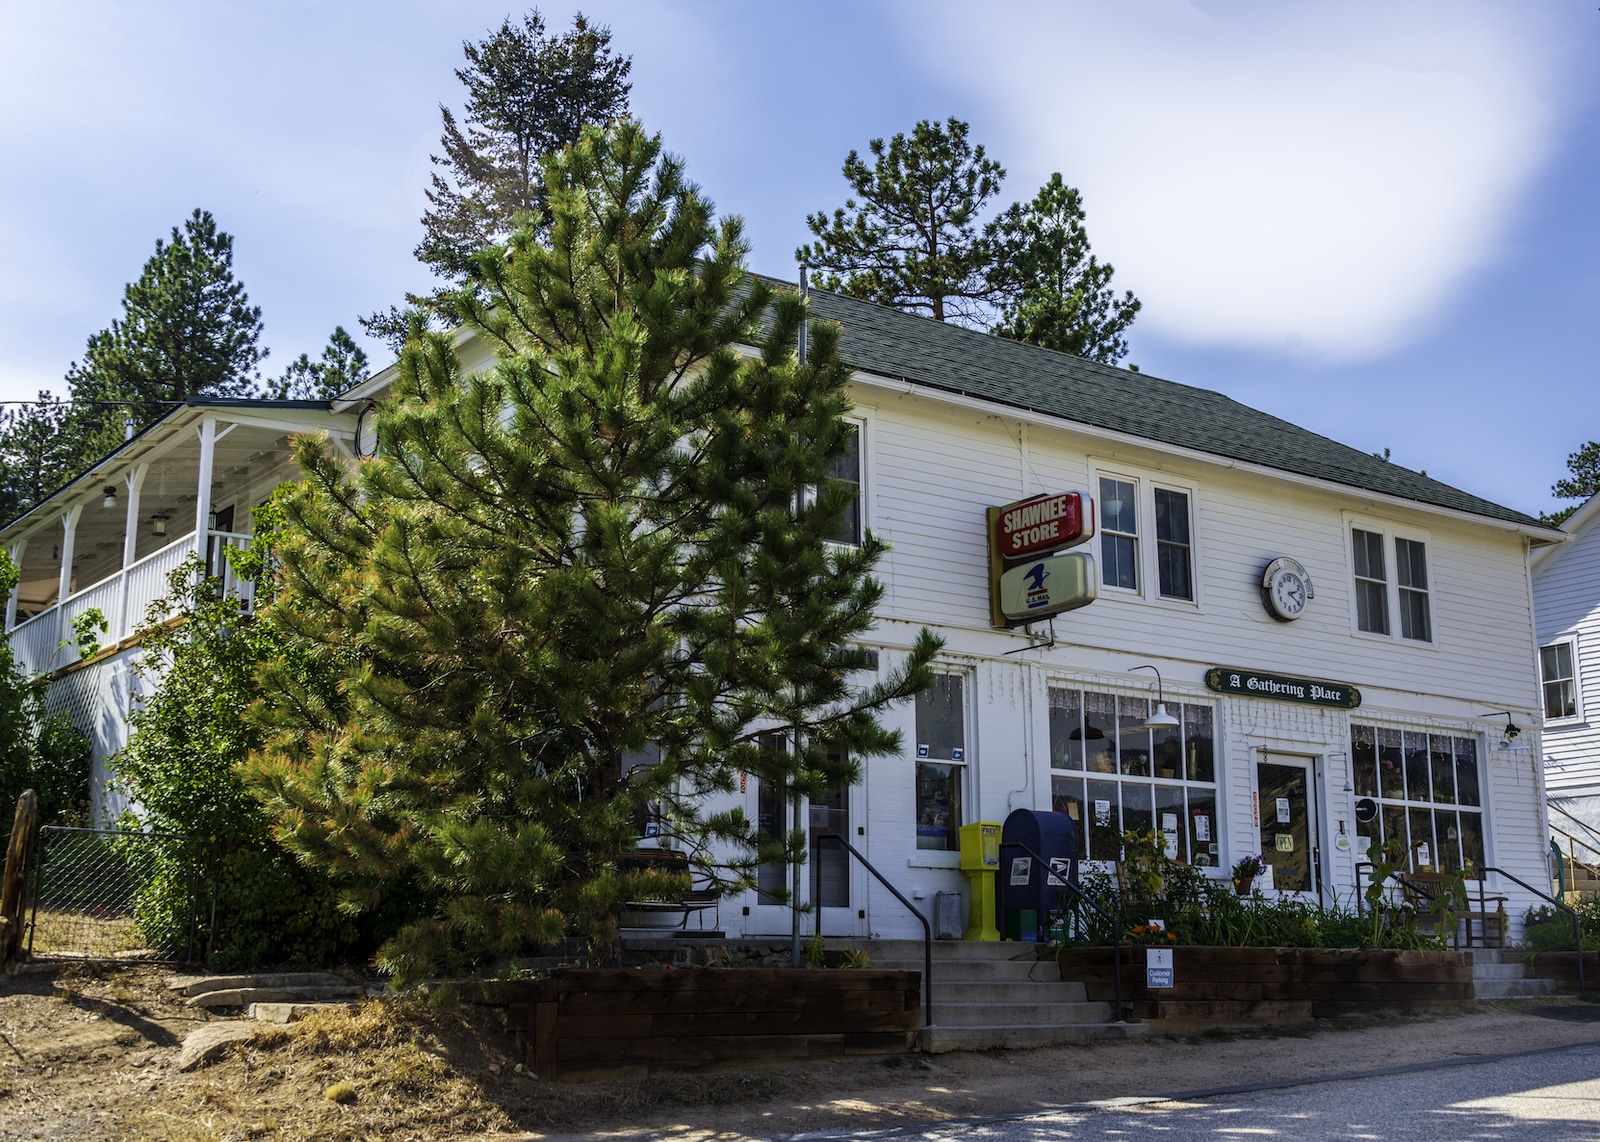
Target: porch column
pixel 69 533
pixel 130 546
pixel 202 499
pixel 17 549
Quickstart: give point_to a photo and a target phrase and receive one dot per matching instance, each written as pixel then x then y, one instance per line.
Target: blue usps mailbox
pixel 1027 891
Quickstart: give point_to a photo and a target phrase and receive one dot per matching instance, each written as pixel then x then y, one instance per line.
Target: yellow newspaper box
pixel 980 860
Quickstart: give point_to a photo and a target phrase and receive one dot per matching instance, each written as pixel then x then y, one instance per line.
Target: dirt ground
pixel 89 1054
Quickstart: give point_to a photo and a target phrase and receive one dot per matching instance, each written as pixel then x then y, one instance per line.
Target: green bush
pixel 1547 929
pixel 255 904
pixel 1199 910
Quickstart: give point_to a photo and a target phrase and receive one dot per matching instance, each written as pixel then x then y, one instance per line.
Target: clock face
pixel 1286 589
pixel 1288 594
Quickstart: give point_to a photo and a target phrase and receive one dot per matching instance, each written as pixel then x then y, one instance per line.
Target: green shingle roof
pixel 879 340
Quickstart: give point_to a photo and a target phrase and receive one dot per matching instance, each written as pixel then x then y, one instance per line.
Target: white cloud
pixel 1316 178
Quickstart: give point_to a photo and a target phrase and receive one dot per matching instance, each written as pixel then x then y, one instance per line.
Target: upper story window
pixel 1382 597
pixel 1174 570
pixel 1411 565
pixel 1559 673
pixel 847 470
pixel 1372 587
pixel 941 761
pixel 1119 533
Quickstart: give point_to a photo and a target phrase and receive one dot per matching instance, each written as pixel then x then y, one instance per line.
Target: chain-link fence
pixel 102 894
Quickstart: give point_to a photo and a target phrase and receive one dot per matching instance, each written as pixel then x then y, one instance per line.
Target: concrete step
pixel 940 1038
pixel 987 971
pixel 942 949
pixel 1008 992
pixel 1514 988
pixel 1482 971
pixel 961 1014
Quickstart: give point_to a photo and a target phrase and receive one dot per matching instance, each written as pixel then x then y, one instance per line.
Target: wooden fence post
pixel 14 886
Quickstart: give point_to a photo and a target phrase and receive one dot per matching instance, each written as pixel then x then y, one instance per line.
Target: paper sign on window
pixel 1283 810
pixel 1424 856
pixel 1169 822
pixel 1202 827
pixel 1284 842
pixel 1102 812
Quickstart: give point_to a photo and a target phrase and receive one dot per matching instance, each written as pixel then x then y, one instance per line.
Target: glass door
pixel 829 864
pixel 1288 826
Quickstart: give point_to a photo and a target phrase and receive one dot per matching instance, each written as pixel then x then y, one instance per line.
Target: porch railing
pixel 46 642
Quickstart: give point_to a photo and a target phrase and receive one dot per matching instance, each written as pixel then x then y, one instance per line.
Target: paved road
pixel 1546 1096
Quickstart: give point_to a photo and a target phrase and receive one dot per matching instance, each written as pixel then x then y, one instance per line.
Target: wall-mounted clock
pixel 1286 589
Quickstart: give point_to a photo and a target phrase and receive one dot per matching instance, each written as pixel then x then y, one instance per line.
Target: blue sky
pixel 1377 220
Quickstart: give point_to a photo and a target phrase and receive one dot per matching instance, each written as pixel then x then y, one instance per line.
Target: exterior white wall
pixel 1566 594
pixel 930 470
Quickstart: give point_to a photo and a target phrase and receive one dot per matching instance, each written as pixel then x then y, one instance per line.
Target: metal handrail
pixel 1116 925
pixel 927 930
pixel 1577 921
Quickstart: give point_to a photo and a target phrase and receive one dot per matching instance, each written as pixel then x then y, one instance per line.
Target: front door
pixel 830 864
pixel 1288 822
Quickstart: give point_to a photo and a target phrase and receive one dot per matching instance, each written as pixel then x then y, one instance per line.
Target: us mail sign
pixel 1048 586
pixel 1044 524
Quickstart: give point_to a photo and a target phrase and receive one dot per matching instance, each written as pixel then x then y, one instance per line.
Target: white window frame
pixel 863 499
pixel 1147 559
pixel 1154 560
pixel 939 858
pixel 1570 641
pixel 1389 532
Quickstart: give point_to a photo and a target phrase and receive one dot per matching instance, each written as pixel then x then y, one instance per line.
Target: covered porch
pixel 109 540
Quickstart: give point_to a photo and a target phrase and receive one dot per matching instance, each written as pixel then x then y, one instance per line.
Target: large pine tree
pixel 1052 290
pixel 612 546
pixel 529 94
pixel 187 330
pixel 910 237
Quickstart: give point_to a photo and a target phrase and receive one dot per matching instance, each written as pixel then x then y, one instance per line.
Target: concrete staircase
pixel 985 996
pixel 1500 974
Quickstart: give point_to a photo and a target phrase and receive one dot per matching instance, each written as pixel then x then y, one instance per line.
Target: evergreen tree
pixel 529 94
pixel 181 772
pixel 38 751
pixel 343 365
pixel 910 238
pixel 612 546
pixel 187 330
pixel 1054 292
pixel 1582 481
pixel 36 453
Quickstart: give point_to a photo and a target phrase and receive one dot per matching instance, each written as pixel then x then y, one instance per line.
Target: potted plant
pixel 1245 871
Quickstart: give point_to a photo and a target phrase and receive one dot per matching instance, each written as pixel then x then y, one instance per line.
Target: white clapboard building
pixel 1566 602
pixel 1361 690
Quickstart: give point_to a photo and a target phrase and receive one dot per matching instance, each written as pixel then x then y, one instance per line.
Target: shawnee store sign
pixel 1028 579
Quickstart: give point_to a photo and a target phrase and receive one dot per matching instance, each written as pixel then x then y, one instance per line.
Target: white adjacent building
pixel 1566 599
pixel 1412 598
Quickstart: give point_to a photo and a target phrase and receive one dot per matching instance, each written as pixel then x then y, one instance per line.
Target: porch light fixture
pixel 1160 720
pixel 1511 735
pixel 110 498
pixel 158 524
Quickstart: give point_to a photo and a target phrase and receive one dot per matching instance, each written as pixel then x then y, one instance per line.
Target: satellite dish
pixel 1366 809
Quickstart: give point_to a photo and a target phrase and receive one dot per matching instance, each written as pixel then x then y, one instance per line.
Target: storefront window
pixel 941 762
pixel 1428 787
pixel 1162 779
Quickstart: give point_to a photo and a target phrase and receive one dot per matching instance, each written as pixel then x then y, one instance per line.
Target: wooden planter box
pixel 581 1025
pixel 1220 987
pixel 1563 968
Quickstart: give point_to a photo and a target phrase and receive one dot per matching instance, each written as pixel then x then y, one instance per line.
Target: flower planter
pixel 1220 987
pixel 582 1025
